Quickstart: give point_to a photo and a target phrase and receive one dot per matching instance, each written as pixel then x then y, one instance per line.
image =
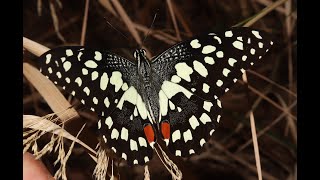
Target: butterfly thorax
pixel 148 83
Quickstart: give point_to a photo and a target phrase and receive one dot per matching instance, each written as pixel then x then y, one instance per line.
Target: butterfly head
pixel 143 62
pixel 140 54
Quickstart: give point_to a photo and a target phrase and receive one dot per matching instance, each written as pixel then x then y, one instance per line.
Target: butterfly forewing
pixel 97 78
pixel 195 74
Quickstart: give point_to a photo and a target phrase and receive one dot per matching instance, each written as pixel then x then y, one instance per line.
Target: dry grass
pixel 271 88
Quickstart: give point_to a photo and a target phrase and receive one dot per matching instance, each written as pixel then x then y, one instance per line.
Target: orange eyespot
pixel 165 129
pixel 148 131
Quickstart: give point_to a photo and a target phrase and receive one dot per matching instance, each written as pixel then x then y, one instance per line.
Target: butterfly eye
pixel 144 52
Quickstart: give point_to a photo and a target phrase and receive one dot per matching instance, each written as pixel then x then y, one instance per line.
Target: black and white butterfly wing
pixel 195 74
pixel 105 83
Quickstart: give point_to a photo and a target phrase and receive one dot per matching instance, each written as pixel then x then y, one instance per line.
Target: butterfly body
pixel 174 96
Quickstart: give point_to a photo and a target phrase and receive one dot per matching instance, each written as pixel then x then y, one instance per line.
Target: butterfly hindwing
pixel 195 74
pixel 123 130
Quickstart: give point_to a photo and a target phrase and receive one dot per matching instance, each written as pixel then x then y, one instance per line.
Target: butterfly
pixel 173 97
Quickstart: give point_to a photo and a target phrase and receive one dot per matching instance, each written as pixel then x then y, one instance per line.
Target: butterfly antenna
pixel 154 18
pixel 115 28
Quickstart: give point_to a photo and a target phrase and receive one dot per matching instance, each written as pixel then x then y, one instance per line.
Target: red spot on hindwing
pixel 148 131
pixel 165 129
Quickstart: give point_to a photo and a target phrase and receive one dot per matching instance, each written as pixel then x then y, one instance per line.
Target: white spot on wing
pixel 207 105
pixel 171 105
pixel 94 75
pixel 240 38
pixel 228 34
pixel 135 112
pixel 109 122
pixel 231 61
pixel 218 39
pixel 87 91
pixel 225 72
pixel 114 134
pixel 78 81
pixel 179 109
pixel 48 58
pixel 199 67
pixel 142 142
pixel 67 65
pixel 208 49
pixel 175 79
pixel 59 75
pixel 202 141
pixel 219 83
pixel 95 100
pixel 252 51
pixel 124 156
pixel 63 59
pixel 219 54
pixel 104 81
pixel 84 71
pixel 124 134
pixel 146 159
pixel 244 58
pixel 99 124
pixel 69 52
pixel 135 161
pixel 184 71
pixel 218 118
pixel 106 102
pixel 219 103
pixel 209 60
pixel 195 43
pixel 170 89
pixel 204 118
pixel 191 151
pixel 238 45
pixel 98 55
pixel 133 145
pixel 260 44
pixel 187 135
pixel 91 64
pixel 116 80
pixel 50 70
pixel 178 153
pixel 193 89
pixel 104 138
pixel 79 55
pixel 130 95
pixel 205 87
pixel 193 122
pixel 256 34
pixel 176 135
pixel 211 132
pixel 124 86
